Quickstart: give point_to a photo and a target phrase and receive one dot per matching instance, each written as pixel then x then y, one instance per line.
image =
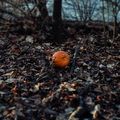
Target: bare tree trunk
pixel 1 6
pixel 108 14
pixel 108 8
pixel 57 20
pixel 104 26
pixel 103 13
pixel 115 27
pixel 115 13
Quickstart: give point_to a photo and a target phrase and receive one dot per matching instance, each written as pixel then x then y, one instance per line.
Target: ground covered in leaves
pixel 32 89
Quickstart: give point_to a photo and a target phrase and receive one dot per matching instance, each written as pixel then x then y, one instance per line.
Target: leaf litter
pixel 31 88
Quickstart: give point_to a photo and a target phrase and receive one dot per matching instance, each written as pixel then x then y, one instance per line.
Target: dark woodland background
pixel 32 88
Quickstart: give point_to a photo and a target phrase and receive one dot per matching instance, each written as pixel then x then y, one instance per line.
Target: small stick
pixel 74 58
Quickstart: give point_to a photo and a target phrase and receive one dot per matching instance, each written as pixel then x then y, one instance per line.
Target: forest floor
pixel 31 88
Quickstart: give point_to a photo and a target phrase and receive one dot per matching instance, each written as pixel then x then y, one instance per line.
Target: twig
pixel 74 58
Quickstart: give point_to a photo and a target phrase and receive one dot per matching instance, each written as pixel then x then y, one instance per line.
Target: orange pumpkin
pixel 61 59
